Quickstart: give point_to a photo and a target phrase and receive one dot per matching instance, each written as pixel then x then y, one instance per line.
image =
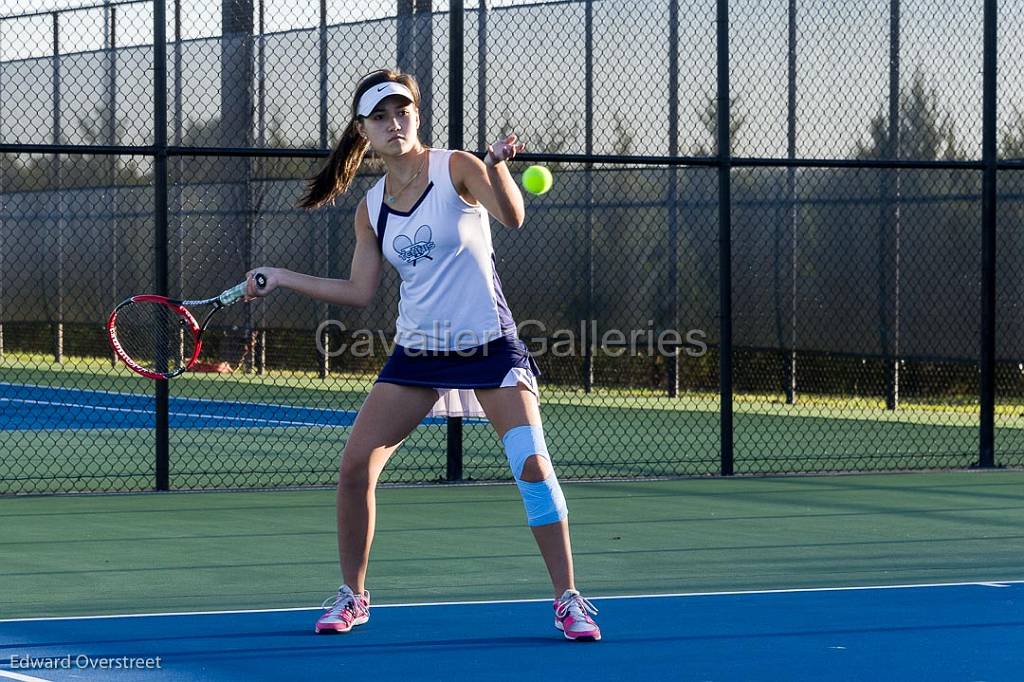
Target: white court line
pixel 324 410
pixel 19 676
pixel 1001 583
pixel 212 417
pixel 149 396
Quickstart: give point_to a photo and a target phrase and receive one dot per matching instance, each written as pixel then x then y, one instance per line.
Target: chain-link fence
pixel 771 245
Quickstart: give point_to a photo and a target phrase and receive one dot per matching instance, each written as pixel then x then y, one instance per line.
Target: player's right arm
pixel 356 291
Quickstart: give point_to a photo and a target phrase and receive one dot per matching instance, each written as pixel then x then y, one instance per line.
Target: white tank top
pixel 451 296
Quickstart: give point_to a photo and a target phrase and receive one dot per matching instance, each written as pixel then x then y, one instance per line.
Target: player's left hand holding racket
pixel 159 337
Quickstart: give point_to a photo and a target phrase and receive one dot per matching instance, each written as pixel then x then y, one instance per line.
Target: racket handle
pixel 237 292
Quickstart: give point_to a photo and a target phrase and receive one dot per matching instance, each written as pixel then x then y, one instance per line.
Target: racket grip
pixel 237 292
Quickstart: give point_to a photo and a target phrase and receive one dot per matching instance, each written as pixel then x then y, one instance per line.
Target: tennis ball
pixel 537 179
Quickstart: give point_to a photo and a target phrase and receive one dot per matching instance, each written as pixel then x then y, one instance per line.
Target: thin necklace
pixel 394 195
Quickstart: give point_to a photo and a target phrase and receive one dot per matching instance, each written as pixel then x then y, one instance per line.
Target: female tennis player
pixel 457 352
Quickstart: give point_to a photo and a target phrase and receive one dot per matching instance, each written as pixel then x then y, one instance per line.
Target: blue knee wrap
pixel 543 500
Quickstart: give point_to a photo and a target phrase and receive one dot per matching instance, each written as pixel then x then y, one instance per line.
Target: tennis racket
pixel 159 337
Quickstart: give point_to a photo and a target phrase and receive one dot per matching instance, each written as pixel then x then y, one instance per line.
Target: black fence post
pixel 589 345
pixel 672 361
pixel 453 466
pixel 238 109
pixel 3 158
pixel 177 180
pixel 986 454
pixel 160 210
pixel 889 239
pixel 456 121
pixel 56 180
pixel 724 241
pixel 3 217
pixel 792 217
pixel 404 35
pixel 110 22
pixel 256 187
pixel 456 73
pixel 481 74
pixel 261 76
pixel 323 311
pixel 423 60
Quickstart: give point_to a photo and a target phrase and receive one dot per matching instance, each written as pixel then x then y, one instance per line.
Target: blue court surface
pixel 936 632
pixel 25 408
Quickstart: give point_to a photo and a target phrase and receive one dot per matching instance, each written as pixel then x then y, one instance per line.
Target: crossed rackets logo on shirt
pixel 414 251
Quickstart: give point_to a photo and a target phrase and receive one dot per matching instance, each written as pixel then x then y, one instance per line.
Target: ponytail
pixel 339 171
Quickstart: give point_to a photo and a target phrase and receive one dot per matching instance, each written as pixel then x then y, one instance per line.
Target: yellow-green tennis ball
pixel 537 179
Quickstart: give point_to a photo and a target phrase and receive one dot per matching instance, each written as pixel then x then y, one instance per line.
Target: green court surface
pixel 606 433
pixel 97 554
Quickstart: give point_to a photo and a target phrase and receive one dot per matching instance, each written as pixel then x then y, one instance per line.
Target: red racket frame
pixel 175 306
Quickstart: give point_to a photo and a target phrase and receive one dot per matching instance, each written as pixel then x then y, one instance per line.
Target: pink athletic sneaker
pixel 345 610
pixel 572 617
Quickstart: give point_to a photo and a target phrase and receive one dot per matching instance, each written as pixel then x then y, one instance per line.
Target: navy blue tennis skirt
pixel 482 366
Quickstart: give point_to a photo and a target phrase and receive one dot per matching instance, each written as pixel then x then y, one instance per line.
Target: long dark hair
pixel 343 163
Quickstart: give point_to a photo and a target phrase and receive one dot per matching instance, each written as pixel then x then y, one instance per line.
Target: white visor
pixel 372 97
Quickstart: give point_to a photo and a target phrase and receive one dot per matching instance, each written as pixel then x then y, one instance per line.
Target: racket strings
pixel 154 336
